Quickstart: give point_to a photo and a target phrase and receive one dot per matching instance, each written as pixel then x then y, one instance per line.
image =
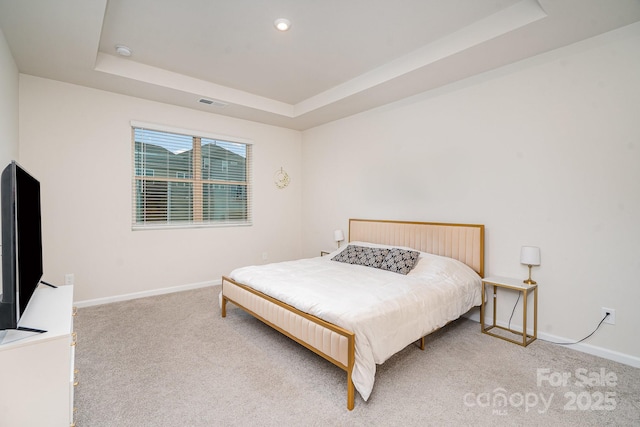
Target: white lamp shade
pixel 530 255
pixel 338 236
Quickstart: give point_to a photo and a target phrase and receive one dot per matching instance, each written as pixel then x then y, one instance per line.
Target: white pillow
pixel 429 264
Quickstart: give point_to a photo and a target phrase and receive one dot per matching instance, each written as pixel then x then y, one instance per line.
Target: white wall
pixel 545 152
pixel 8 108
pixel 8 104
pixel 77 142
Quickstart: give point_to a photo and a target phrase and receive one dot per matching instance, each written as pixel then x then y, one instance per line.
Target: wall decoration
pixel 281 179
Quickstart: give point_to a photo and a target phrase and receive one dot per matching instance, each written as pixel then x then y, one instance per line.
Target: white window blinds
pixel 182 180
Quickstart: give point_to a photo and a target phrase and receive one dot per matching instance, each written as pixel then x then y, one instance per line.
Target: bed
pixel 355 316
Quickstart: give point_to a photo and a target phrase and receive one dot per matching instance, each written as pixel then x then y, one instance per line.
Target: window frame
pixel 197 181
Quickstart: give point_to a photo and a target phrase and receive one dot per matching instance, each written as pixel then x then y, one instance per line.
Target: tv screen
pixel 21 242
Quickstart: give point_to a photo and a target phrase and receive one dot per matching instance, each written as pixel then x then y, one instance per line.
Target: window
pixel 186 180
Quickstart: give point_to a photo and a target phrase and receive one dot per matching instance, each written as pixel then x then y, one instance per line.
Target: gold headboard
pixel 464 242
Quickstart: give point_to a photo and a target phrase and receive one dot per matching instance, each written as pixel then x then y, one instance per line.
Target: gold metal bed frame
pixel 464 242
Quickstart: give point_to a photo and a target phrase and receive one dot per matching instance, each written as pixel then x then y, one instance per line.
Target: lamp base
pixel 529 281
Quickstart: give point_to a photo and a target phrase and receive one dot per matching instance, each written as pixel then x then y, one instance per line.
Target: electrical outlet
pixel 611 318
pixel 265 256
pixel 68 279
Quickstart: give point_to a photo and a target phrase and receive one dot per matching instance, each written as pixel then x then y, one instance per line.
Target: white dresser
pixel 37 370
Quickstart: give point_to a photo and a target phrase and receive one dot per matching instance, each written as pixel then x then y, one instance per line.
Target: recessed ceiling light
pixel 282 24
pixel 123 50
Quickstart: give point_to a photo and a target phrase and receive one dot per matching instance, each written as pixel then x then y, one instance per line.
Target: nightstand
pixel 515 285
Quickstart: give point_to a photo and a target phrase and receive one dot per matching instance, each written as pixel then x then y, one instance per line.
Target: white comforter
pixel 386 310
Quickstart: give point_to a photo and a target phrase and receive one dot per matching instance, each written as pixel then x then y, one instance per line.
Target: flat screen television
pixel 21 243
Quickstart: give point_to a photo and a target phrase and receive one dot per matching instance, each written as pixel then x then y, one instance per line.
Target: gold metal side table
pixel 516 285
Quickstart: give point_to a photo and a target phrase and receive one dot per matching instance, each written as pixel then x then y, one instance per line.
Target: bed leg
pixel 350 393
pixel 421 343
pixel 223 307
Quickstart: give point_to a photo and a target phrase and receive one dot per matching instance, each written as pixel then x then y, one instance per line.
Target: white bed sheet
pixel 386 310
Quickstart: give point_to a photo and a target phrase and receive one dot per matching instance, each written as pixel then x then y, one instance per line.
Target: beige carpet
pixel 171 360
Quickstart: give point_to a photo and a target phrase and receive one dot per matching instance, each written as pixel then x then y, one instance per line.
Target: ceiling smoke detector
pixel 123 50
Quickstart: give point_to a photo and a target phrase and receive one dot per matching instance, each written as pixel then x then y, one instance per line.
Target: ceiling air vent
pixel 212 102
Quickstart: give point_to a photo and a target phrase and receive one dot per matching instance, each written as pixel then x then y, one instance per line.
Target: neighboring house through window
pixel 182 179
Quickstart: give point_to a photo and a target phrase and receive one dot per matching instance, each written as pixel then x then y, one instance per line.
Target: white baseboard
pixel 582 347
pixel 143 294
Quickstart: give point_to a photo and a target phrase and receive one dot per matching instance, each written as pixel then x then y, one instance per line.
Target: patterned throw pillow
pixel 400 260
pixel 362 255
